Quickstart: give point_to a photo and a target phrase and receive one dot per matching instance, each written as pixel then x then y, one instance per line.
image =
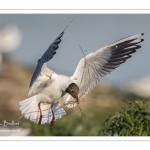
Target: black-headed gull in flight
pixel 50 86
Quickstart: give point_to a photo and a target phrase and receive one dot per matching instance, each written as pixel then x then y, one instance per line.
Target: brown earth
pixel 14 82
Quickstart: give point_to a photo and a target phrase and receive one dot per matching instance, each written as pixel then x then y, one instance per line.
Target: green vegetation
pixel 133 120
pixel 72 124
pixel 106 101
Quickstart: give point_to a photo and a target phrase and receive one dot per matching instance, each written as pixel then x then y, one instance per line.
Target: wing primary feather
pixel 106 70
pixel 116 63
pixel 122 54
pixel 128 46
pixel 120 45
pixel 122 51
pixel 119 59
pixel 51 50
pixel 110 66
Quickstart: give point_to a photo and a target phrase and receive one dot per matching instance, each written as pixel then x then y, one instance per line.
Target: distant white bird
pixel 10 38
pixel 50 86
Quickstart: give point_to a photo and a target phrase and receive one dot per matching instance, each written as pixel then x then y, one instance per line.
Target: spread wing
pixel 42 74
pixel 100 63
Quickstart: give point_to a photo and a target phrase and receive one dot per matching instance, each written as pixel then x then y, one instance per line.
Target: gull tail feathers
pixel 30 110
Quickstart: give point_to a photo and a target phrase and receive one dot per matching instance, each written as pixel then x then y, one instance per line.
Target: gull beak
pixel 76 97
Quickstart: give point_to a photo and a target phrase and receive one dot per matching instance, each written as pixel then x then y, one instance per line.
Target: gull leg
pixel 40 119
pixel 53 117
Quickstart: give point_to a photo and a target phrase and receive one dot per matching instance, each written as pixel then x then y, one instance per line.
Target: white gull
pixel 44 107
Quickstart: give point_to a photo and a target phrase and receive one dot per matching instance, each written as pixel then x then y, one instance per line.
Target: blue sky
pixel 90 31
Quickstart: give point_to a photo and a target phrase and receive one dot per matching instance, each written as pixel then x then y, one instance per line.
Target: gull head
pixel 73 90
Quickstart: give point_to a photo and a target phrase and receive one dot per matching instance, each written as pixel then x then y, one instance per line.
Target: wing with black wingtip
pixel 100 63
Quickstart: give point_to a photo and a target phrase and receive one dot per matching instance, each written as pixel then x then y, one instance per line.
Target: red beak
pixel 76 98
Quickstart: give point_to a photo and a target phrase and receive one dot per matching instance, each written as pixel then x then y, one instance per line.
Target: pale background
pixel 91 32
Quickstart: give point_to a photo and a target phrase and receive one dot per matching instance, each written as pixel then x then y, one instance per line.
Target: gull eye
pixel 72 90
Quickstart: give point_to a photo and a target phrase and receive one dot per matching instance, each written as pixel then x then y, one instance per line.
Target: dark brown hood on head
pixel 73 90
